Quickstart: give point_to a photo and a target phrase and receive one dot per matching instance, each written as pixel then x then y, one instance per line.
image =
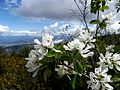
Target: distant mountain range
pixel 15 43
pixel 21 40
pixel 10 43
pixel 16 40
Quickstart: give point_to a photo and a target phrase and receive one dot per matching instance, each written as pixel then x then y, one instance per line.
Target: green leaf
pixel 75 82
pixel 103 25
pixel 78 67
pixel 104 8
pixel 117 48
pixel 95 22
pixel 101 0
pixel 115 79
pixel 89 66
pixel 59 47
pixel 51 54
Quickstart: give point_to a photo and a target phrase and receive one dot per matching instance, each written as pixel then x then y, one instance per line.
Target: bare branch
pixel 83 12
pixel 78 16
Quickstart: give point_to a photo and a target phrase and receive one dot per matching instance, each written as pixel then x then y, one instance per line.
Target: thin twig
pixel 83 13
pixel 78 16
pixel 97 26
pixel 62 63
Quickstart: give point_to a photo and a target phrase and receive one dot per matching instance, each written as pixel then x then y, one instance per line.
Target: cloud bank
pixel 6 31
pixel 47 9
pixel 52 9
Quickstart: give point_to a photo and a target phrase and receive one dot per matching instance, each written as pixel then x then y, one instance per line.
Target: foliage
pixel 13 74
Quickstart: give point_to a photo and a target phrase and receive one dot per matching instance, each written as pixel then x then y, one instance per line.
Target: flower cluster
pixel 41 49
pixel 99 80
pixel 110 60
pixel 65 69
pixel 83 43
pixel 112 25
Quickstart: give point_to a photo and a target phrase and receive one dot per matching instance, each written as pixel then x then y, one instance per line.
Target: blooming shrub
pixel 75 58
pixel 84 59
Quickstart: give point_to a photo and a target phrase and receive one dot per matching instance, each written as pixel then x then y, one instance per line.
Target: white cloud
pixel 4 29
pixel 50 9
pixel 23 33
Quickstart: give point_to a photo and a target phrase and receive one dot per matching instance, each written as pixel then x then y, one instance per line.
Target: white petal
pixel 104 71
pixel 41 57
pixel 93 40
pixel 37 41
pixel 111 66
pixel 107 78
pixel 92 75
pixel 35 73
pixel 108 87
pixel 103 16
pixel 56 50
pixel 97 86
pixel 66 47
pixel 87 54
pixel 118 62
pixel 117 67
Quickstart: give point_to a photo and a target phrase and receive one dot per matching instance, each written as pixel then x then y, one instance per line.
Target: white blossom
pixel 34 61
pixel 111 23
pixel 110 60
pixel 40 50
pixel 62 70
pixel 83 49
pixel 86 36
pixel 100 79
pixel 72 45
pixel 47 40
pixel 110 48
pixel 84 43
pixel 32 66
pixel 35 55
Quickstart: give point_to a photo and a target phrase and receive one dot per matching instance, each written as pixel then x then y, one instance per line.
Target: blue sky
pixel 25 17
pixel 19 22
